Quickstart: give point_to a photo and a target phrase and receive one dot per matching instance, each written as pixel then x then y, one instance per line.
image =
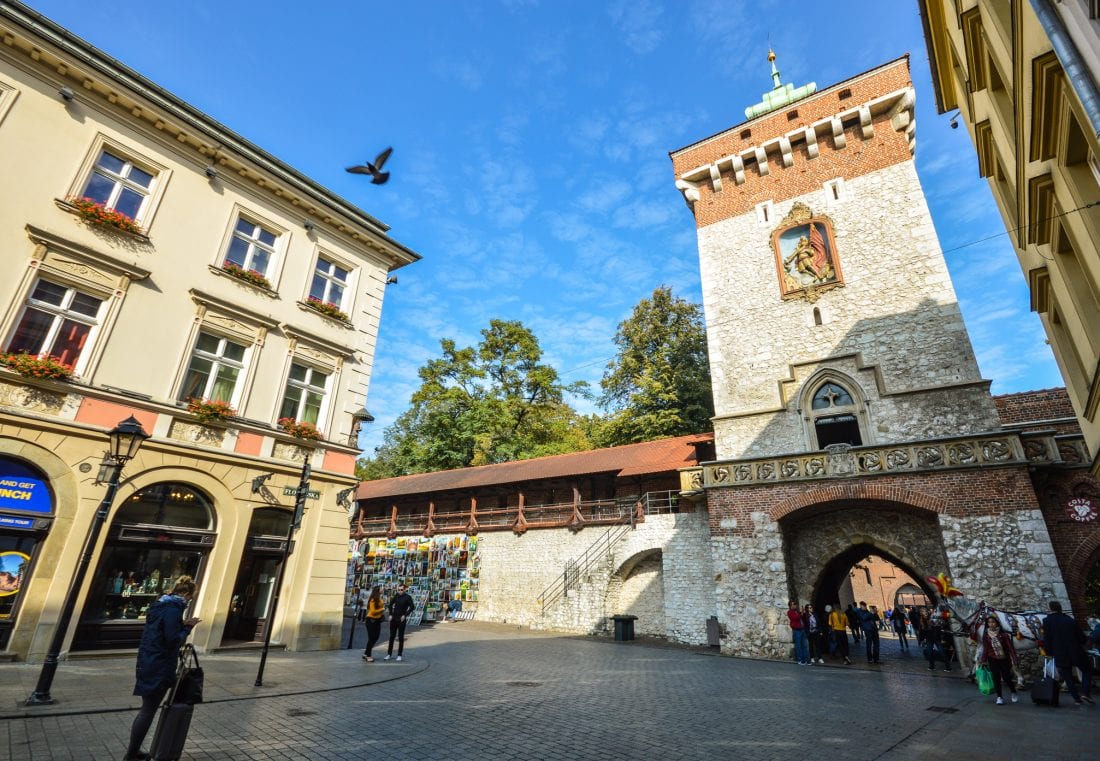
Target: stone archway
pixel 823 544
pixel 637 589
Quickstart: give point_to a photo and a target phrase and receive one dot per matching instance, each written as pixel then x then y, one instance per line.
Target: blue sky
pixel 530 165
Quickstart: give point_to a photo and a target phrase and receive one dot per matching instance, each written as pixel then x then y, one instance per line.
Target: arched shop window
pixel 26 512
pixel 159 534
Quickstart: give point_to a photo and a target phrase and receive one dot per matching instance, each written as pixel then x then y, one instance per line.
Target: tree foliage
pixel 658 385
pixel 481 405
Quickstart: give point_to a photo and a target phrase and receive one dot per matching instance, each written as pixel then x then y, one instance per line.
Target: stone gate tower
pixel 851 417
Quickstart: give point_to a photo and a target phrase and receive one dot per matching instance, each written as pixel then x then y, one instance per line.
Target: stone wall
pixel 659 571
pixel 897 296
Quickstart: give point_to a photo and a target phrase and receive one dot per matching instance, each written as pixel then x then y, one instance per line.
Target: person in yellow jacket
pixel 838 628
pixel 375 610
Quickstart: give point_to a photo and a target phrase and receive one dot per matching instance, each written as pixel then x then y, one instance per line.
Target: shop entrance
pixel 255 585
pixel 26 512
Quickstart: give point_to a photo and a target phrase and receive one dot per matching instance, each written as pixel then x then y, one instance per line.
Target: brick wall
pixel 1076 543
pixel 1037 406
pixel 860 156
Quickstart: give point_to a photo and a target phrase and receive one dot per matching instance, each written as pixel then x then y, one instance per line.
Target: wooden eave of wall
pixel 936 38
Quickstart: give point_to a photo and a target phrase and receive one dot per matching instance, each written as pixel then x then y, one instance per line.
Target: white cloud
pixel 640 23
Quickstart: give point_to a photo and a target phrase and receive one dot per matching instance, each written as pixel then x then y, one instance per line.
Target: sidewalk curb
pixel 35 713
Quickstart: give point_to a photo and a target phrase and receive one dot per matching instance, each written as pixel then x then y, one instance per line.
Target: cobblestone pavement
pixel 479 691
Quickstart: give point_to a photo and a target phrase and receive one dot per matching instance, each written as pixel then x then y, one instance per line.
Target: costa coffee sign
pixel 1082 510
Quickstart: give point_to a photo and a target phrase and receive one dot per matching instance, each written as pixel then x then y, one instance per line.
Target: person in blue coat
pixel 165 632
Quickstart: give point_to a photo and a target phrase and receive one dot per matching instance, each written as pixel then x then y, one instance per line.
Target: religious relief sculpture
pixel 805 254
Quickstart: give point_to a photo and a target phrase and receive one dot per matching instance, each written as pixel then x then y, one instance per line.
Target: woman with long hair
pixel 165 632
pixel 375 610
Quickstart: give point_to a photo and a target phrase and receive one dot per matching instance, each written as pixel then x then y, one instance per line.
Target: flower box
pixel 326 308
pixel 33 366
pixel 98 215
pixel 209 410
pixel 301 430
pixel 249 276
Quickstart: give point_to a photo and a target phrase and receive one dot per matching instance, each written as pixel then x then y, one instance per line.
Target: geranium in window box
pixel 326 308
pixel 249 276
pixel 210 410
pixel 98 215
pixel 301 430
pixel 33 366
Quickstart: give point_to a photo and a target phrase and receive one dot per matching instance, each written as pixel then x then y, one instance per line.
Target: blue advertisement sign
pixel 10 522
pixel 23 489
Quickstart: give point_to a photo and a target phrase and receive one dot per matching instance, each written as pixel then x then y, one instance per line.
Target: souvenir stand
pixel 436 570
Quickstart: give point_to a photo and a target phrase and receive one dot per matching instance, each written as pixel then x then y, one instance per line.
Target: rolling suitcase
pixel 171 734
pixel 175 715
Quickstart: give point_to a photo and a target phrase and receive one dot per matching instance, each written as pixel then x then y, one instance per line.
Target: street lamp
pixel 126 440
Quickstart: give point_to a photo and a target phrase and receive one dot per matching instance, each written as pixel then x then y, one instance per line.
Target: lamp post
pixel 126 439
pixel 295 522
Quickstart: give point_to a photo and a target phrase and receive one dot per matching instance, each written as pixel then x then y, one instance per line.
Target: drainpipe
pixel 1076 71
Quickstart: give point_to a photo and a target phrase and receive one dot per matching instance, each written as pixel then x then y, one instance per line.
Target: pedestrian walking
pixel 914 622
pixel 935 640
pixel 798 633
pixel 999 656
pixel 401 607
pixel 838 622
pixel 869 622
pixel 1064 641
pixel 361 597
pixel 165 632
pixel 375 610
pixel 853 622
pixel 899 622
pixel 815 634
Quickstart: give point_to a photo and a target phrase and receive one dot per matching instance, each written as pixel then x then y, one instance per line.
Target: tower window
pixel 845 93
pixel 746 134
pixel 792 115
pixel 817 316
pixel 835 416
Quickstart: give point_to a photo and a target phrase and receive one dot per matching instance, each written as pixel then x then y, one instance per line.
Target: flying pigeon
pixel 374 169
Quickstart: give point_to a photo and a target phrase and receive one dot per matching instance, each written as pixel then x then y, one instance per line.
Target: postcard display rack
pixel 436 571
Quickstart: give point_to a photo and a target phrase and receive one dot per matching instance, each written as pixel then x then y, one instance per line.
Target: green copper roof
pixel 780 94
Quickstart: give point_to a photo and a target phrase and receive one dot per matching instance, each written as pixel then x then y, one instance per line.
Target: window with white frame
pixel 216 367
pixel 117 183
pixel 330 281
pixel 57 321
pixel 251 247
pixel 304 398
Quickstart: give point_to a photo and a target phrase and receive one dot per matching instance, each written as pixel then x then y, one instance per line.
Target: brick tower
pixel 830 313
pixel 851 418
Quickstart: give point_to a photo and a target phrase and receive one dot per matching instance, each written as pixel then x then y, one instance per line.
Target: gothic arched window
pixel 835 416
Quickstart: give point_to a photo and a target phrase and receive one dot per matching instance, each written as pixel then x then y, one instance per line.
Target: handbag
pixel 189 677
pixel 984 678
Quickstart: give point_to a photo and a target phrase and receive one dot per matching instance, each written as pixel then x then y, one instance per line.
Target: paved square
pixel 479 691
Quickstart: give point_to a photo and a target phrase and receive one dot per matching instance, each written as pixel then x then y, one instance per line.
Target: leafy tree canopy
pixel 481 405
pixel 658 385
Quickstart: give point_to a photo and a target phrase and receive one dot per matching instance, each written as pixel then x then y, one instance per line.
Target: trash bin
pixel 624 628
pixel 714 633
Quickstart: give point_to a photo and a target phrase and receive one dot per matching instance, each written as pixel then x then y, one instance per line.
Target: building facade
pixel 163 267
pixel 1023 77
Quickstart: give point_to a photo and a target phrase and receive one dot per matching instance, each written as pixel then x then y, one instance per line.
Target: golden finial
pixel 771 55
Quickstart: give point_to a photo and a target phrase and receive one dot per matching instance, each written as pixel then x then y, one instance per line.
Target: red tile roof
pixel 648 457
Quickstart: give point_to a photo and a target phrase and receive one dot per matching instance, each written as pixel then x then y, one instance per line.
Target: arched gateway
pixel 825 542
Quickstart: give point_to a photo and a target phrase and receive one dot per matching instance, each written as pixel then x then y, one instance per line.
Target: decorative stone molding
pixel 943 454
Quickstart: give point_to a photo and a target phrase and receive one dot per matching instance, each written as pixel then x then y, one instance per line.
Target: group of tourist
pixel 816 635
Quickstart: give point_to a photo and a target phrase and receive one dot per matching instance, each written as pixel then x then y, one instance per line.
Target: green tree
pixel 482 405
pixel 658 385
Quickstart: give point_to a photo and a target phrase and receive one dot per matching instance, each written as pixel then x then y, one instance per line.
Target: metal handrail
pixel 579 566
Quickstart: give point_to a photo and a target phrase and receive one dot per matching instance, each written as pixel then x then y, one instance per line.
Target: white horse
pixel 968 623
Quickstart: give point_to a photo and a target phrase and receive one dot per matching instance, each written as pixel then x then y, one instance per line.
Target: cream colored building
pixel 1023 76
pixel 244 282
